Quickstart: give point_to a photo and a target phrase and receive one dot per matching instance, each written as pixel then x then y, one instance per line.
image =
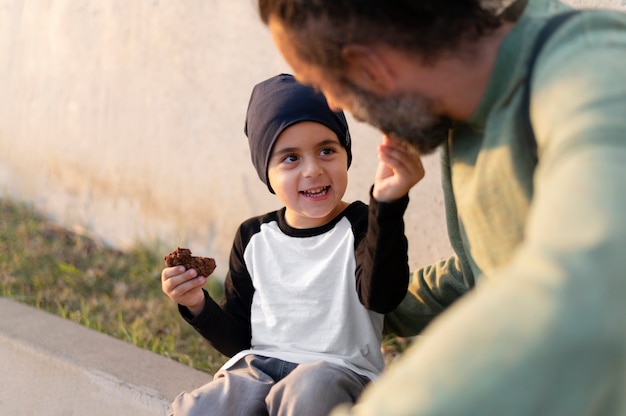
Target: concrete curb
pixel 52 366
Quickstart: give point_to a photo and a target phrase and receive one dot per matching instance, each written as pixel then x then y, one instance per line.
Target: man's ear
pixel 367 68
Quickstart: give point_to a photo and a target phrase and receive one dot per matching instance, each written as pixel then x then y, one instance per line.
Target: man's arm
pixel 431 290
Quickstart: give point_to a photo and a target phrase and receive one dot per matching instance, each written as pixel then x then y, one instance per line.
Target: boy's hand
pixel 400 168
pixel 184 287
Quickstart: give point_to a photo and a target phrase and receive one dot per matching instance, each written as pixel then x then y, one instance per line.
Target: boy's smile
pixel 316 193
pixel 308 171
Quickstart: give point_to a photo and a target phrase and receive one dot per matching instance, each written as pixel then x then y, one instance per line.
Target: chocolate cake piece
pixel 182 256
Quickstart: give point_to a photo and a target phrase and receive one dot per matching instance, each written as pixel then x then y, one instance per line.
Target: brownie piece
pixel 182 256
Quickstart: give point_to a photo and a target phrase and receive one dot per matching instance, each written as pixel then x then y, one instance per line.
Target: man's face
pixel 408 117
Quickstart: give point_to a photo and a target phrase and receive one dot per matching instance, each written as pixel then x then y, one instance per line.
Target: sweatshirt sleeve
pixel 431 290
pixel 227 325
pixel 382 269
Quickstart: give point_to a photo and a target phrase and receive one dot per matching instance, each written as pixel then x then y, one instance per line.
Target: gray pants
pixel 268 386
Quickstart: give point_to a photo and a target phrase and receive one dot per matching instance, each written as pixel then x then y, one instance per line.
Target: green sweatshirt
pixel 531 309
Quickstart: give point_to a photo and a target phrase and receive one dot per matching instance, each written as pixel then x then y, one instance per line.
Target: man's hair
pixel 426 29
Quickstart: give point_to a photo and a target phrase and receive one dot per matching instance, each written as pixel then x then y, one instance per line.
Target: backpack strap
pixel 551 25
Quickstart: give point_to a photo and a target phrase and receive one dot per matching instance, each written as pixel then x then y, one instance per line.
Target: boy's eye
pixel 327 151
pixel 290 159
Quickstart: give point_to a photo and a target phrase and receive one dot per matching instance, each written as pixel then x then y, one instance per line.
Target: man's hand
pixel 184 287
pixel 400 168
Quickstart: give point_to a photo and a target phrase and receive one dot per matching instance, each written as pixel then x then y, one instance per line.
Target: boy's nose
pixel 312 167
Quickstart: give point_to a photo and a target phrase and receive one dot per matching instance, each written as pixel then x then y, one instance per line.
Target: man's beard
pixel 401 116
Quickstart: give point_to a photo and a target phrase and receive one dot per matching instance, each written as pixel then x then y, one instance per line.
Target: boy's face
pixel 308 171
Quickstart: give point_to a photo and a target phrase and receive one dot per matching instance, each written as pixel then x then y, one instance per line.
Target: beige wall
pixel 125 119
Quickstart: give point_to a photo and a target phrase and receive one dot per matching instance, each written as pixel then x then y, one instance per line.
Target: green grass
pixel 114 292
pixel 78 278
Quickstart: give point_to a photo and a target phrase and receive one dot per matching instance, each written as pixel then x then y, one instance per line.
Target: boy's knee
pixel 315 389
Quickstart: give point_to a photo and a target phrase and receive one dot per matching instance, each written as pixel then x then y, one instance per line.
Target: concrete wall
pixel 125 119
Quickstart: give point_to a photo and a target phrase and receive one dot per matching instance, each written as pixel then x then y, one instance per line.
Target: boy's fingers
pixel 401 156
pixel 181 289
pixel 179 282
pixel 169 272
pixel 398 161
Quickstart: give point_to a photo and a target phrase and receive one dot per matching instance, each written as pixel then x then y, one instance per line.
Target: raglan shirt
pixel 531 315
pixel 305 295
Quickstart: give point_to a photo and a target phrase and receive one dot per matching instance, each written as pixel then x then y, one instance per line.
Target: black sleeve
pixel 382 266
pixel 227 326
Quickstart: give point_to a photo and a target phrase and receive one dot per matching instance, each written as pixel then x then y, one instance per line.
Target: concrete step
pixel 52 366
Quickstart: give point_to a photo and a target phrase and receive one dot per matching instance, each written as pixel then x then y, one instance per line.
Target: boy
pixel 307 285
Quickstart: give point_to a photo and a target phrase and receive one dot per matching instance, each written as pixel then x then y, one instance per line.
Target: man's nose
pixel 332 104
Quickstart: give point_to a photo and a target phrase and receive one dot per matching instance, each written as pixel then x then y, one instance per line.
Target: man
pixel 528 316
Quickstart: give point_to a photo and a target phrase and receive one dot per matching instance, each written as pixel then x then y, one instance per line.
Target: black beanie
pixel 280 102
